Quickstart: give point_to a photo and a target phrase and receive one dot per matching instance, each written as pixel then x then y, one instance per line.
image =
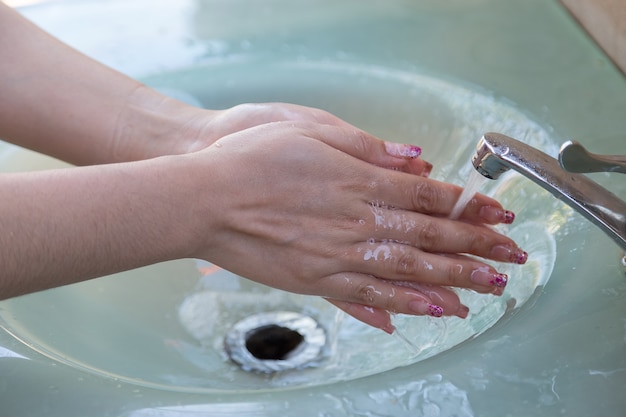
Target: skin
pixel 278 193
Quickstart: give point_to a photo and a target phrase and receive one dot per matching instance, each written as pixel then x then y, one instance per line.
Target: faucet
pixel 497 153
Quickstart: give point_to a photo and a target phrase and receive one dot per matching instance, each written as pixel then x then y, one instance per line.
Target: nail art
pixel 509 254
pixel 402 150
pixel 435 311
pixel 484 277
pixel 424 308
pixel 414 151
pixel 519 257
pixel 496 215
pixel 499 280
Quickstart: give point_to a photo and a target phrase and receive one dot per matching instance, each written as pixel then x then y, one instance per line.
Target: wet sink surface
pixel 164 326
pixel 553 345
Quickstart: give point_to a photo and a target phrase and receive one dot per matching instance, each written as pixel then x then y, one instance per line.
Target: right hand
pixel 307 208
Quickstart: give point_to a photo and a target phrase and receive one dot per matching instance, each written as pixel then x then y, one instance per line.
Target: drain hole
pixel 275 341
pixel 272 342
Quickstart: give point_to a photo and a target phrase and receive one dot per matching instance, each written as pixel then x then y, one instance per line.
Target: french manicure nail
pixel 509 254
pixel 425 309
pixel 520 257
pixel 388 328
pixel 462 312
pixel 495 215
pixel 485 277
pixel 498 291
pixel 509 217
pixel 402 150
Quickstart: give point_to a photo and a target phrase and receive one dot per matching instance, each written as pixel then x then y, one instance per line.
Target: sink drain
pixel 275 341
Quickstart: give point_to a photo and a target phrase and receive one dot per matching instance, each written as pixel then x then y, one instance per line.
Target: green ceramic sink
pixel 150 342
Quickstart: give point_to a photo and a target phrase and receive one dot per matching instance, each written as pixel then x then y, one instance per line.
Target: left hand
pixel 204 127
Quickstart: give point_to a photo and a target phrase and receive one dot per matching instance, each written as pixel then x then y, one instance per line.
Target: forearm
pixel 57 101
pixel 69 225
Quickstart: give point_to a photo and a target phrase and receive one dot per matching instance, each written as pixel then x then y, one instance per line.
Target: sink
pixel 164 326
pixel 150 342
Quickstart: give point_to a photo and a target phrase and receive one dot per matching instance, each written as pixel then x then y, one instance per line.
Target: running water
pixel 415 350
pixel 474 182
pixel 333 332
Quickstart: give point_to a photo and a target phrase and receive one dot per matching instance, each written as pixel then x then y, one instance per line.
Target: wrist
pixel 194 182
pixel 152 125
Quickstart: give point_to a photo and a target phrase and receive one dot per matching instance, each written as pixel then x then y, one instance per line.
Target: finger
pixel 419 166
pixel 416 166
pixel 400 262
pixel 375 317
pixel 428 196
pixel 439 296
pixel 366 147
pixel 381 319
pixel 367 290
pixel 443 235
pixel 413 164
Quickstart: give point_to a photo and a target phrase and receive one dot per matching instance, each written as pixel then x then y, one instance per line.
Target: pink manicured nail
pixel 428 168
pixel 462 312
pixel 485 277
pixel 425 309
pixel 388 328
pixel 509 254
pixel 495 215
pixel 509 217
pixel 402 150
pixel 497 291
pixel 520 257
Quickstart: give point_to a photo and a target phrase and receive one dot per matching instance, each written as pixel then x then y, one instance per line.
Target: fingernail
pixel 498 291
pixel 428 168
pixel 388 328
pixel 425 309
pixel 509 217
pixel 509 254
pixel 494 215
pixel 462 312
pixel 484 277
pixel 520 257
pixel 402 150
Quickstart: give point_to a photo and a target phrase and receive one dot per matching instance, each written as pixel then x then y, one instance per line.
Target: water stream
pixel 474 182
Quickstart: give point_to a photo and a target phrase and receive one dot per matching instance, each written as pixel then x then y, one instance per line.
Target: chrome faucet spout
pixel 497 153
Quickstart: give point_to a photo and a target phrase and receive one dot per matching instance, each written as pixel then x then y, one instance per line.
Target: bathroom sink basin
pixel 150 342
pixel 164 326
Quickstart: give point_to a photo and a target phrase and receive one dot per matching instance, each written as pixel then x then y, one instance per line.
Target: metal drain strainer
pixel 275 341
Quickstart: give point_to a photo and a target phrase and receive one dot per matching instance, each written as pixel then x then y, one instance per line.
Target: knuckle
pixel 427 197
pixel 376 295
pixel 393 305
pixel 361 142
pixel 429 236
pixel 479 242
pixel 407 264
pixel 454 275
pixel 365 294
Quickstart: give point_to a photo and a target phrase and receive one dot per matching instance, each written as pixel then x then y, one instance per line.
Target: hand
pixel 204 127
pixel 312 209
